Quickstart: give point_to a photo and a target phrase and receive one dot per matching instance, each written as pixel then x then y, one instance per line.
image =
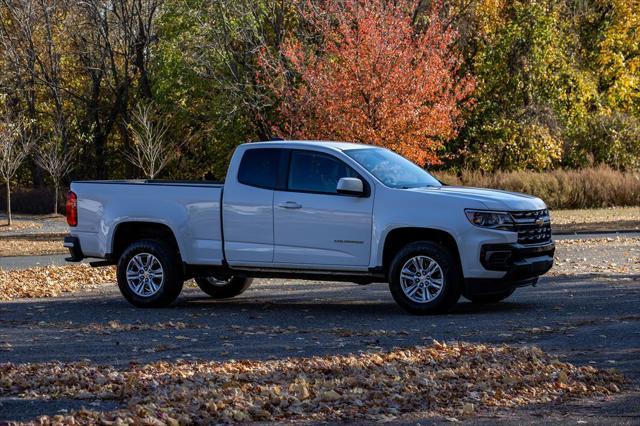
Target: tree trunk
pixel 129 170
pixel 99 141
pixel 9 222
pixel 55 199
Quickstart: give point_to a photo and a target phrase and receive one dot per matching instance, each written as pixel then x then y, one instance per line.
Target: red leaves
pixel 373 79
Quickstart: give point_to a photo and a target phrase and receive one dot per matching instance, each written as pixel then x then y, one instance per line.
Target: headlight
pixel 492 220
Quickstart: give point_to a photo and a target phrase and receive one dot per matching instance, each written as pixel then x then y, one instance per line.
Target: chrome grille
pixel 533 226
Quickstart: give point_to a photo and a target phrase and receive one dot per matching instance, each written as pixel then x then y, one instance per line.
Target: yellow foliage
pixel 619 56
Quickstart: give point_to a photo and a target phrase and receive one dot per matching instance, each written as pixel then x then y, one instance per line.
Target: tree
pixel 532 98
pixel 15 145
pixel 609 32
pixel 150 151
pixel 112 41
pixel 230 34
pixel 57 161
pixel 205 72
pixel 374 76
pixel 618 55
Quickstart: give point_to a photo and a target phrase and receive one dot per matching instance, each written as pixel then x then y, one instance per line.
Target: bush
pixel 31 201
pixel 560 189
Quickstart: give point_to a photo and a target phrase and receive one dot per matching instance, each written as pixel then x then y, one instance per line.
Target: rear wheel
pixel 424 278
pixel 223 287
pixel 490 298
pixel 149 274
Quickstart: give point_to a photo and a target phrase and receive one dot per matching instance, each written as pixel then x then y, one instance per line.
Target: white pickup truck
pixel 312 210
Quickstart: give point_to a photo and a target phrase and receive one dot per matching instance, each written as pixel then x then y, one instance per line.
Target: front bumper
pixel 523 265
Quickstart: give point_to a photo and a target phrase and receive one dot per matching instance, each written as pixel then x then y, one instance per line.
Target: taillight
pixel 72 209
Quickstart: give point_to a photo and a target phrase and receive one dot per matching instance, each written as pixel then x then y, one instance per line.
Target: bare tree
pixel 57 161
pixel 106 42
pixel 150 150
pixel 113 44
pixel 15 144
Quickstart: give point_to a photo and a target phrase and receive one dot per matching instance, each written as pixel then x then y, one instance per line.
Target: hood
pixel 492 199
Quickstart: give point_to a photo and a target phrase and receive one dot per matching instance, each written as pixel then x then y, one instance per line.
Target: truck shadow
pixel 276 319
pixel 335 306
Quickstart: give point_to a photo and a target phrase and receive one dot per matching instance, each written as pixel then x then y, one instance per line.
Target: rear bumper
pixel 73 244
pixel 523 265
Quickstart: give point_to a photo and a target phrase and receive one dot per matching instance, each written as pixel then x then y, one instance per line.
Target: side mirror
pixel 350 186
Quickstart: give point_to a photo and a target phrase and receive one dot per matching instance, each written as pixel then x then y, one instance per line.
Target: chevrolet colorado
pixel 312 210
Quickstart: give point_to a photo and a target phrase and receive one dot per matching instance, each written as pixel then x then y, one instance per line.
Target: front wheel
pixel 223 287
pixel 424 278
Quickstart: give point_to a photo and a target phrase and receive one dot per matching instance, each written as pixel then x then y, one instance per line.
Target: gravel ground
pixel 583 317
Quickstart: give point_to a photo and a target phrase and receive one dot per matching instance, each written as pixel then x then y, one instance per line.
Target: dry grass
pixel 24 247
pixel 561 189
pixel 438 380
pixel 51 281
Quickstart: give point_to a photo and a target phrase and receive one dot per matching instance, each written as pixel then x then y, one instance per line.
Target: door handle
pixel 290 205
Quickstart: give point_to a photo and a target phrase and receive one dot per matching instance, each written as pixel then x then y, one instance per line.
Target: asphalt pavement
pixel 583 319
pixel 22 262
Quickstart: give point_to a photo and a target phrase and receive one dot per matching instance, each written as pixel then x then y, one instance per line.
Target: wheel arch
pixel 399 237
pixel 128 232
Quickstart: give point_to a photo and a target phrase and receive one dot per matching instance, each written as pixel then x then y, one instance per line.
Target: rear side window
pixel 315 172
pixel 259 167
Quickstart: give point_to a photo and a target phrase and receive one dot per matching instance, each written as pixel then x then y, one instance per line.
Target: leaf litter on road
pixel 19 225
pixel 25 247
pixel 51 281
pixel 451 380
pixel 607 255
pixel 604 215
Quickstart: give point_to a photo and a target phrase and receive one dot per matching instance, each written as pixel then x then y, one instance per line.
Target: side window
pixel 260 167
pixel 316 172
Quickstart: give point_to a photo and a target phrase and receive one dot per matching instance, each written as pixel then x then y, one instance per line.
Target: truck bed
pixel 190 209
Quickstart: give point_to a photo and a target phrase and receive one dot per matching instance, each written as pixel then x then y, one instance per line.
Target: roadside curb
pixel 36 237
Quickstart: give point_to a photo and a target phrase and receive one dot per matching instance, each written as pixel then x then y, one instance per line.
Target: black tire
pixel 450 271
pixel 225 288
pixel 490 298
pixel 172 281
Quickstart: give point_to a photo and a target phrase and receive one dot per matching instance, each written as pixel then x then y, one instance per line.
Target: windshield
pixel 392 169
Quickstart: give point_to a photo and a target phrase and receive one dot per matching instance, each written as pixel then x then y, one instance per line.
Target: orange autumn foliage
pixel 375 78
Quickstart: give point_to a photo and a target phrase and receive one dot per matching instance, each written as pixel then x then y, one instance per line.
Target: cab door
pixel 248 207
pixel 313 224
